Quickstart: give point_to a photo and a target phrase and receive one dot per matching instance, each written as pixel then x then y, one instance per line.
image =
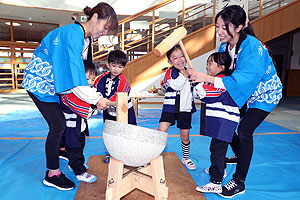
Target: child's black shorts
pixel 184 119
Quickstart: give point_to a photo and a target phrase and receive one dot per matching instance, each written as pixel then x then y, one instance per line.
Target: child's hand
pixel 190 71
pixel 199 77
pixel 185 73
pixel 102 104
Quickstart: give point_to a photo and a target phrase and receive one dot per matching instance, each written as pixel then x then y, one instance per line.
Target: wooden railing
pixel 139 42
pixel 13 65
pixel 255 11
pixel 134 42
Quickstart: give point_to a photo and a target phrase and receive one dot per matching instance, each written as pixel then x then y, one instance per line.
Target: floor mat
pixel 273 174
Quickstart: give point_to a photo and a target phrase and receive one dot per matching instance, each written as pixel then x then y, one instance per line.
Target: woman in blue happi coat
pixel 56 67
pixel 254 83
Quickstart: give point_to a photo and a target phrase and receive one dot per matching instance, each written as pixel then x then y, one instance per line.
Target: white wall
pixel 295 59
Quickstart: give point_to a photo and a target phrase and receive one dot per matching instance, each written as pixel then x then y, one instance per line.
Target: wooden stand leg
pixel 158 178
pixel 135 103
pixel 114 179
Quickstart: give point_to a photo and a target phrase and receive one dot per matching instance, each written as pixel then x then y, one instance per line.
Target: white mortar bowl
pixel 134 145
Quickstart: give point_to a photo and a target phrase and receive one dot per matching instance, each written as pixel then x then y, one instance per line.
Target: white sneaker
pixel 189 163
pixel 224 175
pixel 210 188
pixel 86 177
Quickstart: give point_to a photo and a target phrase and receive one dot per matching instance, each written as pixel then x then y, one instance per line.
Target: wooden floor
pixel 180 184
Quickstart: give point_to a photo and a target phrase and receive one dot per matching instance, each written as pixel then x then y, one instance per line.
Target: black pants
pixel 242 143
pixel 76 157
pixel 218 149
pixel 57 124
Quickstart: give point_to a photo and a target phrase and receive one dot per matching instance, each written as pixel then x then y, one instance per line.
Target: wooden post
pixel 122 107
pixel 214 11
pixel 261 7
pixel 183 13
pixel 153 29
pixel 122 37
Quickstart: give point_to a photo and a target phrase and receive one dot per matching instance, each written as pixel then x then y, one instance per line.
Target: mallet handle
pixel 188 60
pixel 111 103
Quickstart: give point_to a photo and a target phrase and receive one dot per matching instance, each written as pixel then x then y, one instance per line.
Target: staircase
pixel 199 22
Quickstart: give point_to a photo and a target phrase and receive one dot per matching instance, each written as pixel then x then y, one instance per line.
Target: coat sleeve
pixel 175 83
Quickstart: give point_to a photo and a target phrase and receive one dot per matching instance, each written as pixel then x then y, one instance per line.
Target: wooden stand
pixel 150 179
pixel 121 180
pixel 180 183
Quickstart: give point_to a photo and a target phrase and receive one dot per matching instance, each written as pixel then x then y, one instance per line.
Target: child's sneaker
pixel 189 163
pixel 224 175
pixel 231 160
pixel 231 189
pixel 63 155
pixel 210 188
pixel 60 182
pixel 86 177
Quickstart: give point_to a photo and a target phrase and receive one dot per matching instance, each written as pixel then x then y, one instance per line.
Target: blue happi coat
pixel 56 65
pixel 254 79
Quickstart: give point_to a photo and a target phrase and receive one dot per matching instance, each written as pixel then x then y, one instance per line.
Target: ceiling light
pixel 14 24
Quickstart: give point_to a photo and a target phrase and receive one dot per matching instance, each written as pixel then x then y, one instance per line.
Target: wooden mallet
pixel 170 41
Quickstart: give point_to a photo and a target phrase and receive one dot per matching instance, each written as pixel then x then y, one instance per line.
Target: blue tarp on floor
pixel 274 171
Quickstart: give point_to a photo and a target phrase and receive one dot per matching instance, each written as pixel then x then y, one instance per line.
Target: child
pixel 76 112
pixel 112 82
pixel 178 102
pixel 221 119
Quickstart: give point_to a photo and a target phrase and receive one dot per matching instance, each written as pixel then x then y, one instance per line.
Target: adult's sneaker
pixel 60 182
pixel 231 160
pixel 86 177
pixel 210 188
pixel 188 163
pixel 231 189
pixel 224 175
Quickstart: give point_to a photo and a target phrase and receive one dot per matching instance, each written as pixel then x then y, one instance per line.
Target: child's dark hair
pixel 222 58
pixel 89 67
pixel 117 56
pixel 171 50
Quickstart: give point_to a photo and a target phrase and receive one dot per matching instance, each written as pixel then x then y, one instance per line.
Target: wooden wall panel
pixel 278 22
pixel 148 66
pixel 293 87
